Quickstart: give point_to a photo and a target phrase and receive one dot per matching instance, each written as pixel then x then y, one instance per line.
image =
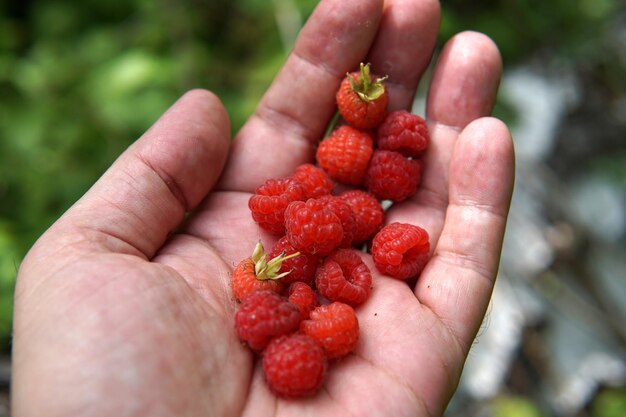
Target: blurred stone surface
pixel 555 331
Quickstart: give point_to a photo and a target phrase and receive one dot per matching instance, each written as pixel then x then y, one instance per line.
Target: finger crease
pixel 170 182
pixel 283 122
pixel 438 125
pixel 430 198
pixel 490 209
pixel 319 65
pixel 465 262
pixel 461 348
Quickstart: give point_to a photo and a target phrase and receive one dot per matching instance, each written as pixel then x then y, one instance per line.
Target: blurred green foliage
pixel 79 81
pixel 610 403
pixel 513 406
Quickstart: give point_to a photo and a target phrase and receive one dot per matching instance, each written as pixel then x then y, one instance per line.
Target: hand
pixel 116 315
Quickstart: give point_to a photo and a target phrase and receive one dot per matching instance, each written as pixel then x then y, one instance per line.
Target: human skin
pixel 123 307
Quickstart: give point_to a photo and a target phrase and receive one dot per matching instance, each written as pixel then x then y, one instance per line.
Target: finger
pixel 457 283
pixel 404 46
pixel 465 82
pixel 464 87
pixel 295 111
pixel 146 192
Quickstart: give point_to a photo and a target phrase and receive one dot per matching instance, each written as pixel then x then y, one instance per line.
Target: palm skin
pixel 116 315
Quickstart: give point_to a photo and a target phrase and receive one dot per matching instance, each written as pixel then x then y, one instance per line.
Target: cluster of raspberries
pixel 297 301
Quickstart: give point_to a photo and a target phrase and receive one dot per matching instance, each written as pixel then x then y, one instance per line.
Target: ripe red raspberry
pixel 270 200
pixel 297 268
pixel 342 210
pixel 264 315
pixel 303 296
pixel 392 176
pixel 311 227
pixel 294 366
pixel 314 180
pixel 401 250
pixel 343 276
pixel 259 273
pixel 334 327
pixel 403 132
pixel 345 154
pixel 368 213
pixel 362 99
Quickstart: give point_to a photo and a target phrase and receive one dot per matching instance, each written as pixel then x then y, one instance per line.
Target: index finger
pixel 293 114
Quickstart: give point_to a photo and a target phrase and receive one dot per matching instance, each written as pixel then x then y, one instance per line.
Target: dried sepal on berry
pixel 259 273
pixel 368 88
pixel 300 267
pixel 362 98
pixel 265 269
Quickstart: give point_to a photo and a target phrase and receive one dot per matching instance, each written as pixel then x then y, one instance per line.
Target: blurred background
pixel 79 81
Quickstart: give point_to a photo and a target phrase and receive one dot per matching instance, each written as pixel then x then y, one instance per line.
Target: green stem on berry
pixel 265 270
pixel 364 87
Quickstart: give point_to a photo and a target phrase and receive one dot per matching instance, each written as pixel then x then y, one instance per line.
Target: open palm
pixel 123 307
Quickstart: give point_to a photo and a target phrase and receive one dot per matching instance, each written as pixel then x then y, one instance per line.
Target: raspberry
pixel 257 273
pixel 368 213
pixel 334 327
pixel 303 296
pixel 342 210
pixel 270 200
pixel 311 227
pixel 264 315
pixel 244 281
pixel 392 176
pixel 345 154
pixel 403 132
pixel 344 277
pixel 297 268
pixel 401 250
pixel 294 366
pixel 362 99
pixel 314 180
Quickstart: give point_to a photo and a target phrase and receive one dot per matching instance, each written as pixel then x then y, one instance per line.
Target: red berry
pixel 303 296
pixel 345 154
pixel 392 176
pixel 270 200
pixel 368 213
pixel 244 281
pixel 294 366
pixel 401 250
pixel 342 210
pixel 297 268
pixel 259 273
pixel 311 227
pixel 264 315
pixel 343 276
pixel 314 180
pixel 362 99
pixel 334 327
pixel 403 132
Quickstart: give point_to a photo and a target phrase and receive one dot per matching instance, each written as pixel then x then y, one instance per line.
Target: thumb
pixel 145 194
